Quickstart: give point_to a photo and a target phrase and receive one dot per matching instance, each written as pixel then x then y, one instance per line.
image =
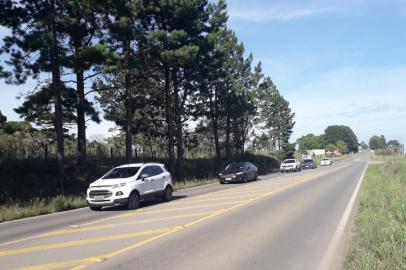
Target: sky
pixel 336 62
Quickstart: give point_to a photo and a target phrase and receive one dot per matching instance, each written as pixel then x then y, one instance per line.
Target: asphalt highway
pixel 282 221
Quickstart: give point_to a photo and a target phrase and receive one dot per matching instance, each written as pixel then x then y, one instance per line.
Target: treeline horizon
pixel 151 66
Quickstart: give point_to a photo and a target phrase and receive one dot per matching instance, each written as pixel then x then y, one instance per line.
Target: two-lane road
pixel 280 222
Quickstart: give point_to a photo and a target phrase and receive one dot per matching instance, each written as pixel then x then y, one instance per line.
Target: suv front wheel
pixel 167 196
pixel 133 201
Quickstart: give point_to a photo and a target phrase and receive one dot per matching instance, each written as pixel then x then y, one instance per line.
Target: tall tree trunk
pixel 228 131
pixel 56 85
pixel 228 128
pixel 214 118
pixel 128 120
pixel 179 128
pixel 81 118
pixel 169 123
pixel 128 106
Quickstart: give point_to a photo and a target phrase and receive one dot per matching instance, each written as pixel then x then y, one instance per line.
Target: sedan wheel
pixel 133 201
pixel 245 179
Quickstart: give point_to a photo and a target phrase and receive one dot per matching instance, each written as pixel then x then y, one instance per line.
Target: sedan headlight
pixel 239 173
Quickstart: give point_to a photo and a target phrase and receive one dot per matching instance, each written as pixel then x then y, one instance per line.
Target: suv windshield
pixel 117 173
pixel 289 161
pixel 308 161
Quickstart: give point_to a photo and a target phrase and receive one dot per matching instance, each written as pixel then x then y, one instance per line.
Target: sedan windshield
pixel 308 161
pixel 289 161
pixel 118 173
pixel 235 166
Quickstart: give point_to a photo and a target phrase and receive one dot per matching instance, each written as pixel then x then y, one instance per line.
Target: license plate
pixel 99 197
pixel 228 179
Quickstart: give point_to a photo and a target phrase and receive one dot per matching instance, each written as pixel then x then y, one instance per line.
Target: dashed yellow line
pixel 78 229
pixel 138 213
pixel 82 263
pixel 80 242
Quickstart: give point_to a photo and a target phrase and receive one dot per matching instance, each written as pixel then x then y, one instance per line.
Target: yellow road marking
pixel 235 192
pixel 157 237
pixel 80 242
pixel 79 267
pixel 79 229
pixel 137 213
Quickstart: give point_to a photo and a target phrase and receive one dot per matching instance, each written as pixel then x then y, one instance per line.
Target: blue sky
pixel 337 62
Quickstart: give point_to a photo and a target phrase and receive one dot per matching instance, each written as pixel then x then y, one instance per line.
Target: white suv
pixel 128 184
pixel 290 165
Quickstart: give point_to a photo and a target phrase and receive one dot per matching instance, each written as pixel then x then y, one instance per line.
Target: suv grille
pixel 104 193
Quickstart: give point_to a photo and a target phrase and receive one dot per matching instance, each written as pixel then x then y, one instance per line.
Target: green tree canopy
pixel 377 142
pixel 309 142
pixel 12 127
pixel 3 119
pixel 331 147
pixel 393 143
pixel 342 146
pixel 344 133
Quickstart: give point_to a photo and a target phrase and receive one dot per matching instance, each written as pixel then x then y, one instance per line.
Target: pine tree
pixel 181 26
pixel 35 47
pixel 81 26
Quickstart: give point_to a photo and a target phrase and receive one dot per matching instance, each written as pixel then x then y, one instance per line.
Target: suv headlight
pixel 119 185
pixel 239 173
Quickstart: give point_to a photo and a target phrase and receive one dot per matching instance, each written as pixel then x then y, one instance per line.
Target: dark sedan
pixel 239 172
pixel 309 164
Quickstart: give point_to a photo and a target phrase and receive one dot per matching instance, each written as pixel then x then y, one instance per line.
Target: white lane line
pixel 338 234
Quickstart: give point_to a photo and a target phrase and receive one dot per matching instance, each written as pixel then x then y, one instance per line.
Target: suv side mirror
pixel 145 175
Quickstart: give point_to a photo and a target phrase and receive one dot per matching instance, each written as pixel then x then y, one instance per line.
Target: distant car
pixel 290 165
pixel 309 164
pixel 325 162
pixel 129 184
pixel 239 172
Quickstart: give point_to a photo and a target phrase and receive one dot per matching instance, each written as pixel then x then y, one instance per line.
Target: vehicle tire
pixel 256 177
pixel 245 178
pixel 300 169
pixel 95 208
pixel 222 183
pixel 167 194
pixel 133 201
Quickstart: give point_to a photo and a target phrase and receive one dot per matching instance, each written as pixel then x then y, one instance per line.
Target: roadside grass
pixel 37 207
pixel 194 183
pixel 379 230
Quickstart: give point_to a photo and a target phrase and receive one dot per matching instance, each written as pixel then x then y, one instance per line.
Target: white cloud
pixel 282 10
pixel 264 14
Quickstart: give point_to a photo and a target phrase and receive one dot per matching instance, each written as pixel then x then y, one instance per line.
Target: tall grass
pixel 379 240
pixel 36 207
